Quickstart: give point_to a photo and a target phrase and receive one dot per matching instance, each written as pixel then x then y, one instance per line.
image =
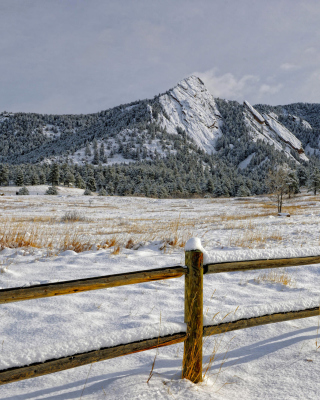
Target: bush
pixel 52 190
pixel 102 192
pixel 87 192
pixel 73 216
pixel 23 191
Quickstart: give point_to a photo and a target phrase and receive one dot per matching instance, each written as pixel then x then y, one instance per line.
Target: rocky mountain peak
pixel 191 107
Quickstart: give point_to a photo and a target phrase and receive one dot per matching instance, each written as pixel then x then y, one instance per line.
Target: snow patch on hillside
pixel 246 162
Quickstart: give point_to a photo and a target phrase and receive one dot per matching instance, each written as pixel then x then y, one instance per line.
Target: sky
pixel 83 56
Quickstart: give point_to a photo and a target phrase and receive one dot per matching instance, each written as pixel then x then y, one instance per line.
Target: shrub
pixel 23 191
pixel 52 190
pixel 102 192
pixel 73 216
pixel 87 192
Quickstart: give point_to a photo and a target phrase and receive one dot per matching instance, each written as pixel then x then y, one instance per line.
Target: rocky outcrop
pixel 268 128
pixel 191 107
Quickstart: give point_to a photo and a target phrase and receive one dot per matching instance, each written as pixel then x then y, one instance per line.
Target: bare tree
pixel 277 183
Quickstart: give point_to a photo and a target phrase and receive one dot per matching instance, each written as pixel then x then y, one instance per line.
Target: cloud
pixel 288 66
pixel 269 89
pixel 228 85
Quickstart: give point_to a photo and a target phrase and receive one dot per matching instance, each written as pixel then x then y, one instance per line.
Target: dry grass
pixel 250 237
pixel 276 276
pixel 116 250
pixel 73 241
pixel 73 216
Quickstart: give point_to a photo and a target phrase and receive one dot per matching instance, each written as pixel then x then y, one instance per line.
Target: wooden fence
pixel 193 315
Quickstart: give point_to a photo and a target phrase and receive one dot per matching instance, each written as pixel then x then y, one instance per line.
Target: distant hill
pixel 186 127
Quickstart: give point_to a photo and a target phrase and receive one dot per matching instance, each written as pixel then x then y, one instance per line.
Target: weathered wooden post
pixel 193 312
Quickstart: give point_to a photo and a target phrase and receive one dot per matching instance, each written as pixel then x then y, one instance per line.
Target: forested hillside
pixel 181 143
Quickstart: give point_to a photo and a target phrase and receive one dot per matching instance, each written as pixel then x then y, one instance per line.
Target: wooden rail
pixel 192 359
pixel 82 285
pixel 261 320
pixel 232 266
pixel 76 360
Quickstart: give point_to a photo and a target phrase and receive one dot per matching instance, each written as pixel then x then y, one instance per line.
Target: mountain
pixel 181 141
pixel 128 131
pixel 192 108
pixel 267 128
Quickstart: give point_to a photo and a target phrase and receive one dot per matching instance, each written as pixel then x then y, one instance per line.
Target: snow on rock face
pixel 270 130
pixel 191 107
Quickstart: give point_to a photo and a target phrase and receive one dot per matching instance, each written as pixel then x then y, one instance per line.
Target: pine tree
pixel 292 183
pixel 95 160
pixel 102 154
pixel 54 174
pixel 314 181
pixel 79 182
pixel 4 174
pixel 91 183
pixel 69 178
pixel 19 179
pixel 35 179
pixel 87 151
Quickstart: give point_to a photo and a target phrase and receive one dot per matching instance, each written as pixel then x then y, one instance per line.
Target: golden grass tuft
pixel 276 276
pixel 116 250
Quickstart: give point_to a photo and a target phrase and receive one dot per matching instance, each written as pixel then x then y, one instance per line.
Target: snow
pixel 246 162
pixel 46 351
pixel 275 361
pixel 190 106
pixel 267 128
pixel 267 254
pixel 254 112
pixel 282 132
pixel 193 244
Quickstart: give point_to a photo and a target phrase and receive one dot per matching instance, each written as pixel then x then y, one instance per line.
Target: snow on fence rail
pixel 192 337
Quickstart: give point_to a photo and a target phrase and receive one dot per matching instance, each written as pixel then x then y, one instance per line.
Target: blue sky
pixel 81 56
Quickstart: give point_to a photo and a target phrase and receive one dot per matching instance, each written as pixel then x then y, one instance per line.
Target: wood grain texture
pixel 232 266
pixel 82 285
pixel 192 354
pixel 256 321
pixel 60 364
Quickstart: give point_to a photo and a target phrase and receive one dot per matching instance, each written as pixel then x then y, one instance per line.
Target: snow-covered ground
pixel 276 361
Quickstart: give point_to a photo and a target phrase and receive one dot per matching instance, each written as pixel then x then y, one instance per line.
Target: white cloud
pixel 228 85
pixel 288 66
pixel 269 89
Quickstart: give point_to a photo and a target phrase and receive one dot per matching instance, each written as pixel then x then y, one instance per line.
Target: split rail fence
pixel 192 338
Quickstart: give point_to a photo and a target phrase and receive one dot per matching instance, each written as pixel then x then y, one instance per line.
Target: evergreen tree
pixel 87 151
pixel 314 181
pixel 4 174
pixel 302 175
pixel 102 154
pixel 69 178
pixel 35 179
pixel 292 183
pixel 91 183
pixel 54 174
pixel 95 160
pixel 79 182
pixel 19 179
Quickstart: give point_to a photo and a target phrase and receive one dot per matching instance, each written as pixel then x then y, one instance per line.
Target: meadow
pixel 71 236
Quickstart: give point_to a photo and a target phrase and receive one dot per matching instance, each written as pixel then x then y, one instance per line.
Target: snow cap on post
pixel 193 244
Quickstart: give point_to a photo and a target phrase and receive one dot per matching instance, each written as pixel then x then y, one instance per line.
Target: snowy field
pixel 71 236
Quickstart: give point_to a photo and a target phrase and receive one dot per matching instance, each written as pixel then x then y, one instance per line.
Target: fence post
pixel 193 306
